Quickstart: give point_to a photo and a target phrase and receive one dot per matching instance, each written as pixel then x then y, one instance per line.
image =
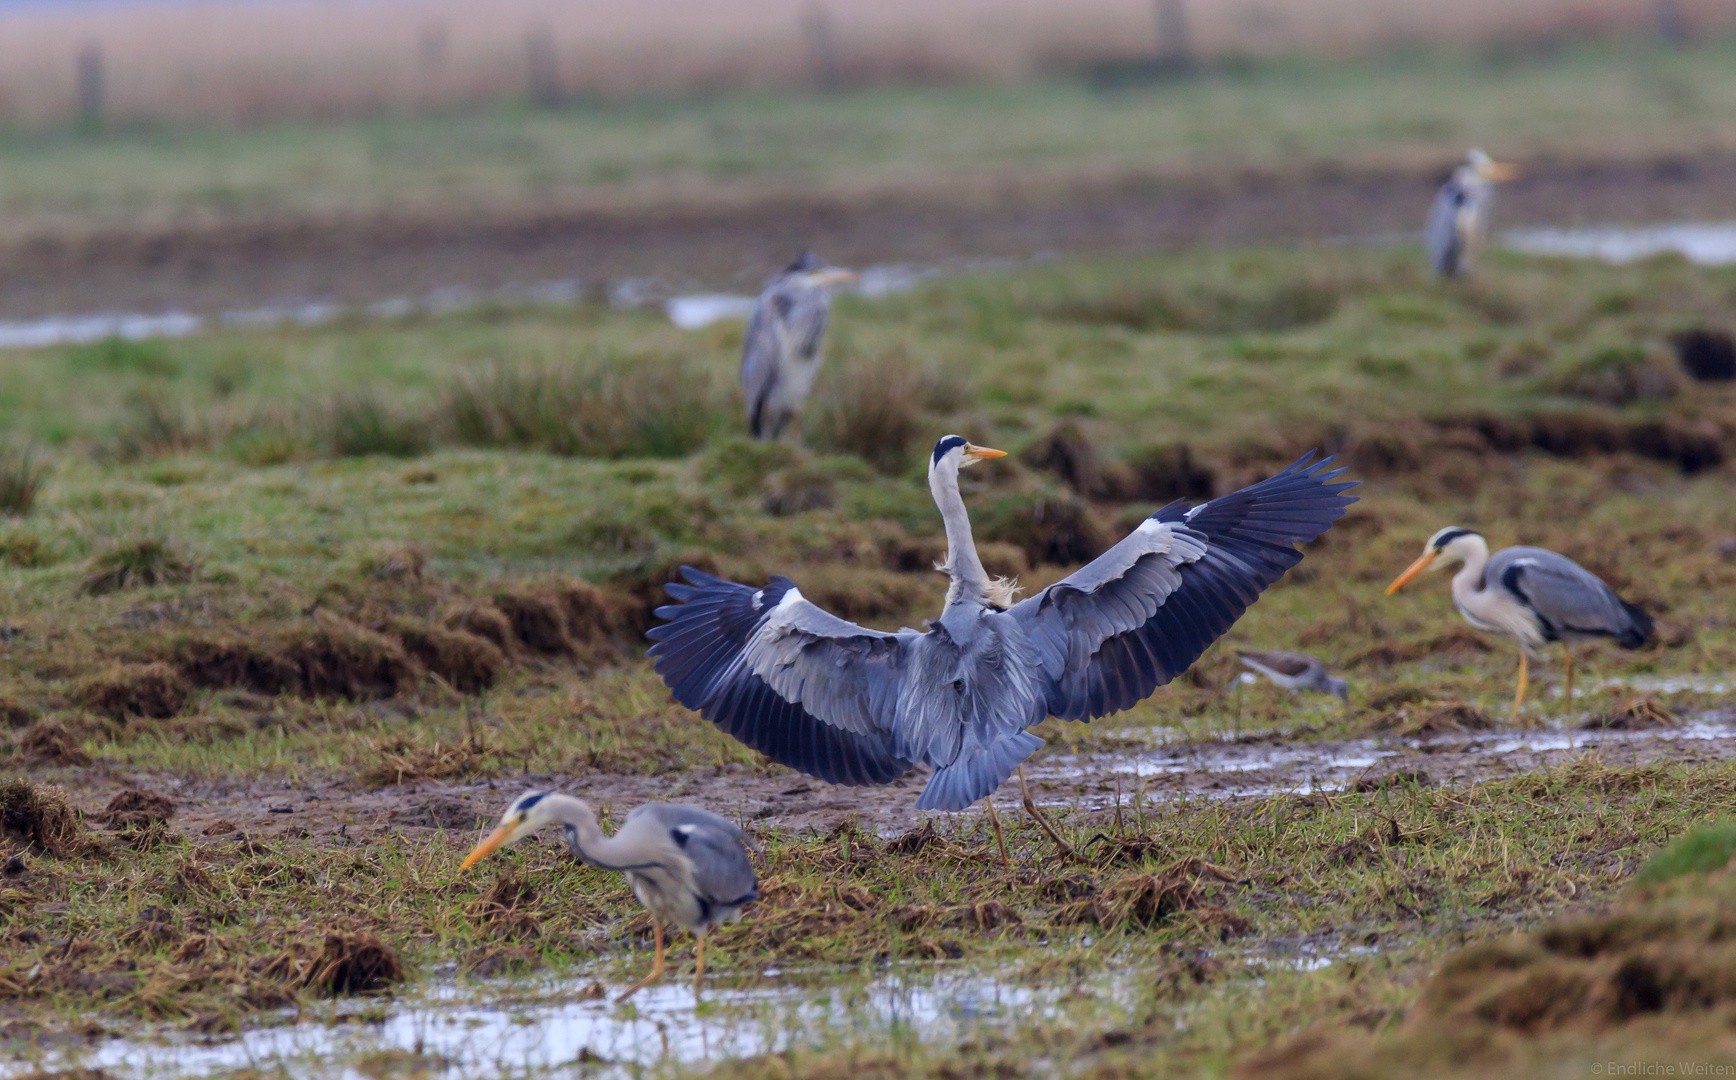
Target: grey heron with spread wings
pixel 1459 219
pixel 857 706
pixel 687 866
pixel 1531 595
pixel 780 355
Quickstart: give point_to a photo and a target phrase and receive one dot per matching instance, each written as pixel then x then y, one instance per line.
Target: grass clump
pixel 21 481
pixel 155 691
pixel 39 816
pixel 139 564
pixel 361 424
pixel 615 407
pixel 1705 849
pixel 874 408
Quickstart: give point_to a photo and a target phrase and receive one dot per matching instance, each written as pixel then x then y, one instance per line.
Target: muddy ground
pixel 1139 773
pixel 358 261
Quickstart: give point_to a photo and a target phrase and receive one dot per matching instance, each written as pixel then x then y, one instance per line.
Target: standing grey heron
pixel 1531 595
pixel 1459 218
pixel 780 355
pixel 1295 671
pixel 856 706
pixel 688 866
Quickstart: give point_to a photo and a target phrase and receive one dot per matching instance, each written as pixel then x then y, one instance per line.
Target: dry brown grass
pixel 243 63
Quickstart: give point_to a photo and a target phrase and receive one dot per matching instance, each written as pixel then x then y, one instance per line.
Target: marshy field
pixel 290 613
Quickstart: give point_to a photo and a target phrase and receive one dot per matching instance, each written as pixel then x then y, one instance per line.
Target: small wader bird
pixel 1295 671
pixel 1531 595
pixel 857 706
pixel 688 866
pixel 1459 218
pixel 781 353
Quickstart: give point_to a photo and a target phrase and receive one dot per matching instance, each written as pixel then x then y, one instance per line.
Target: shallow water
pixel 1706 243
pixel 502 1028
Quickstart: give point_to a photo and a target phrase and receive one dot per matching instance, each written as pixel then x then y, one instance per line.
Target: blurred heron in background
pixel 1531 595
pixel 857 706
pixel 1295 671
pixel 1459 219
pixel 688 866
pixel 785 335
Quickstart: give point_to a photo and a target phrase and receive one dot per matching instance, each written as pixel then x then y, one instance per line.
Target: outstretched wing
pixel 806 689
pixel 1571 600
pixel 761 350
pixel 1142 612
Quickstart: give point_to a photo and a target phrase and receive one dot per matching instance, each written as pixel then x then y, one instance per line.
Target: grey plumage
pixel 1295 671
pixel 858 706
pixel 782 350
pixel 687 866
pixel 1459 217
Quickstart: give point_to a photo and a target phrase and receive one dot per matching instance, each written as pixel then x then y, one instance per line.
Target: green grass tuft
pixel 1701 851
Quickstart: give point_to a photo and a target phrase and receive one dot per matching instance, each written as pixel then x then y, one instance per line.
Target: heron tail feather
pixel 973 775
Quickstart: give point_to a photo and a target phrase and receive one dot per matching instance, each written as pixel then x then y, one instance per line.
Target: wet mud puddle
pixel 533 1028
pixel 1255 766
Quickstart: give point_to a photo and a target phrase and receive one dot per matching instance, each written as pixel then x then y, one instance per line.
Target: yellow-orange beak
pixel 1500 171
pixel 836 275
pixel 981 453
pixel 494 840
pixel 1411 571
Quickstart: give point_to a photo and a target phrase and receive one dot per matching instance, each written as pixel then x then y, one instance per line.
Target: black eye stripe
pixel 944 446
pixel 529 801
pixel 1449 536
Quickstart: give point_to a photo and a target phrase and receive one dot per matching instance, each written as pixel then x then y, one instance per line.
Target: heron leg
pixel 1000 838
pixel 656 971
pixel 698 963
pixel 1031 809
pixel 1524 679
pixel 1567 660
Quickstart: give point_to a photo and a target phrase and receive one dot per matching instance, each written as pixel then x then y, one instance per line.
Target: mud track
pixel 239 265
pixel 343 812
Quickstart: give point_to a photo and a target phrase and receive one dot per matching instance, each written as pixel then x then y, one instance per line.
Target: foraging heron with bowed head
pixel 857 706
pixel 1531 595
pixel 1459 218
pixel 689 867
pixel 785 335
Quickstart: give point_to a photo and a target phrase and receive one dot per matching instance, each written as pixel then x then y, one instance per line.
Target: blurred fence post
pixel 542 67
pixel 1174 49
pixel 1667 17
pixel 90 85
pixel 822 39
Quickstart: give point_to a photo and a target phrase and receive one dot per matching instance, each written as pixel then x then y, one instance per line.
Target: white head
pixel 813 270
pixel 1487 168
pixel 1449 546
pixel 954 452
pixel 529 812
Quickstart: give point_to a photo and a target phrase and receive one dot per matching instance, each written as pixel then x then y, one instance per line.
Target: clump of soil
pixel 39 816
pixel 1146 900
pixel 507 909
pixel 403 759
pixel 797 490
pixel 136 808
pixel 337 658
pixel 14 713
pixel 467 662
pixel 1690 445
pixel 485 621
pixel 1430 718
pixel 139 564
pixel 570 619
pixel 1635 715
pixel 1171 472
pixel 49 743
pixel 354 963
pixel 153 690
pixel 1706 355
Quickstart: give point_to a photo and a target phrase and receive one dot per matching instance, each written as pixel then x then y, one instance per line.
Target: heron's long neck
pixel 1468 582
pixel 962 564
pixel 584 837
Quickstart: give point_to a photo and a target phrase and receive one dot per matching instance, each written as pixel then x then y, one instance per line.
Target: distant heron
pixel 1459 219
pixel 1531 595
pixel 1295 671
pixel 856 706
pixel 785 335
pixel 688 866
